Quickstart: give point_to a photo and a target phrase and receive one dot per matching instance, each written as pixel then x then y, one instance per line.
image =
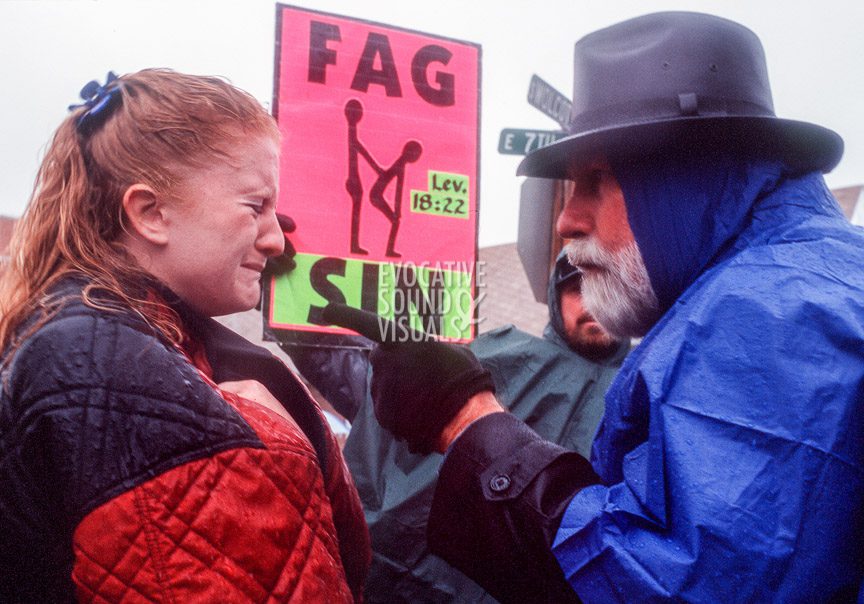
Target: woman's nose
pixel 271 240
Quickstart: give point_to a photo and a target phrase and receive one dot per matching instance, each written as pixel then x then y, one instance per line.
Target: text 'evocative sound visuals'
pixel 379 169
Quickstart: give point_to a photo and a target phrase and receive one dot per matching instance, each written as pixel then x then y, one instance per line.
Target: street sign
pixel 514 141
pixel 544 97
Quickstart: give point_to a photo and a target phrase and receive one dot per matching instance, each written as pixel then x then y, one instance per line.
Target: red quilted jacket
pixel 152 485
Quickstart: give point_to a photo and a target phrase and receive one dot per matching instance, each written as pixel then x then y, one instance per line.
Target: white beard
pixel 615 288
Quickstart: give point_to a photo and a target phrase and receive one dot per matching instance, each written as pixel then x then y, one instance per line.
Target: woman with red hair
pixel 146 452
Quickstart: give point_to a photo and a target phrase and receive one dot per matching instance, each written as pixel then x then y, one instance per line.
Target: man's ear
pixel 146 217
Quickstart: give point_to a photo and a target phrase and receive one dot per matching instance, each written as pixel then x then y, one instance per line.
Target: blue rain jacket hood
pixel 732 448
pixel 687 212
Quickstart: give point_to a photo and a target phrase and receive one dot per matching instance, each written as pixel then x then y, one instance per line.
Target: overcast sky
pixel 50 49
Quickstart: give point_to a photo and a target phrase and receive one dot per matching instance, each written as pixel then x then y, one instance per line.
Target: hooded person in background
pixel 729 465
pixel 555 384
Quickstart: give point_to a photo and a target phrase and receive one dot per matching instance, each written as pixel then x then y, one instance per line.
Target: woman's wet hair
pixel 149 127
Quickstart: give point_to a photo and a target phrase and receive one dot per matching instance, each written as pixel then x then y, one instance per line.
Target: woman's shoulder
pixel 101 347
pixel 75 329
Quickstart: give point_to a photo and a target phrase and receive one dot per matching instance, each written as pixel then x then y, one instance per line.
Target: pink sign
pixel 379 170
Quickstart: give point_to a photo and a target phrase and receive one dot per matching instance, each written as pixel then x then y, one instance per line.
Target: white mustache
pixel 617 291
pixel 587 252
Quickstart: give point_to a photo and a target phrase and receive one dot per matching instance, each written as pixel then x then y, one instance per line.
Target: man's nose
pixel 575 220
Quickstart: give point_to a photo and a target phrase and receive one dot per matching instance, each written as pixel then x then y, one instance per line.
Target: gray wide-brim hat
pixel 674 82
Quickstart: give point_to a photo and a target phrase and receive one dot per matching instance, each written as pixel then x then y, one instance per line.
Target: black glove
pixel 283 263
pixel 417 387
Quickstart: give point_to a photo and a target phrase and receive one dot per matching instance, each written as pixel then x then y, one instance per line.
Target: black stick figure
pixel 354 185
pixel 410 153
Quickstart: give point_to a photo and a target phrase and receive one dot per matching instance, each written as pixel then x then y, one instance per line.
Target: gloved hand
pixel 417 387
pixel 283 263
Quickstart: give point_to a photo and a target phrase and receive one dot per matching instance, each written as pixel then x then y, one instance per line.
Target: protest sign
pixel 379 169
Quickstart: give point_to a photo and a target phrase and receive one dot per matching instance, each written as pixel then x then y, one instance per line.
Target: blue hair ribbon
pixel 99 100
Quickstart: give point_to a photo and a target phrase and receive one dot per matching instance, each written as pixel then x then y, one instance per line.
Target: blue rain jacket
pixel 733 440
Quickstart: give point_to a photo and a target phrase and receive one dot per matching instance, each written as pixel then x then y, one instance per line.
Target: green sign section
pixel 434 299
pixel 431 299
pixel 311 283
pixel 448 195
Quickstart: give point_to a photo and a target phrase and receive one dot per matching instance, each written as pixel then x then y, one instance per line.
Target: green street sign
pixel 522 142
pixel 544 97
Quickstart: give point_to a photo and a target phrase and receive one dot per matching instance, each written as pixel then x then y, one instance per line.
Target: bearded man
pixel 729 465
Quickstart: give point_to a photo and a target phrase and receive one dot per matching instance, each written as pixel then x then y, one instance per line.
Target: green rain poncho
pixel 541 380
